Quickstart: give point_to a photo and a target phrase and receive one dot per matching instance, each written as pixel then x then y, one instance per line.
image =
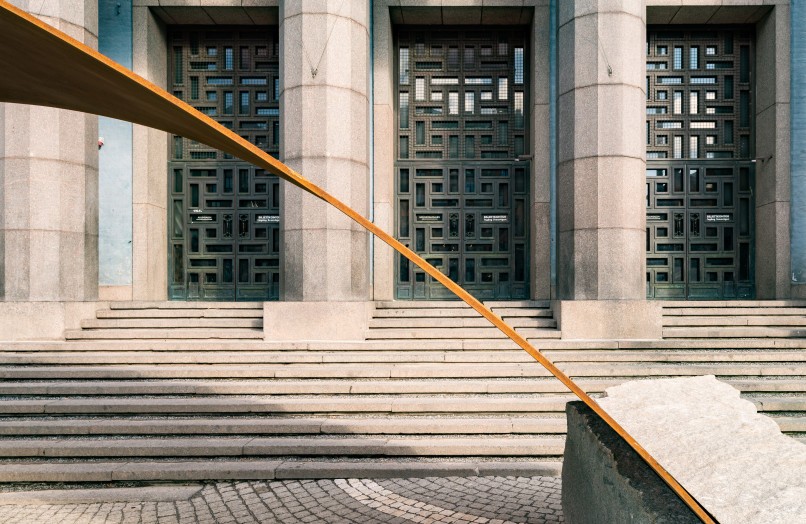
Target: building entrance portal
pixel 462 175
pixel 224 214
pixel 700 175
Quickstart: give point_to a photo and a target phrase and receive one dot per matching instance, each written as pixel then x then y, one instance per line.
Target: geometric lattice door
pixel 462 176
pixel 468 220
pixel 223 213
pixel 700 173
pixel 700 231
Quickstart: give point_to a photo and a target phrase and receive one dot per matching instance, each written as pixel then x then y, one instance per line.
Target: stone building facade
pixel 602 154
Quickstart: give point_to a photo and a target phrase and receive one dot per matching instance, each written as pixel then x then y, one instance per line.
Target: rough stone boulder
pixel 735 462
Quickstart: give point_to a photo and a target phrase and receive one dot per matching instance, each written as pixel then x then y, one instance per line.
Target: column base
pixel 609 319
pixel 308 321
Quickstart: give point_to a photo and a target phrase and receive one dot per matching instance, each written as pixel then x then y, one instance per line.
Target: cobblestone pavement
pixel 488 500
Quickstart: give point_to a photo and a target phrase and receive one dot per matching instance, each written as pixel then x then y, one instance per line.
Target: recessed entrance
pixel 462 177
pixel 224 214
pixel 700 174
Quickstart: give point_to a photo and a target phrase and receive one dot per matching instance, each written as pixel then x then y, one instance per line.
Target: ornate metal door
pixel 469 220
pixel 699 230
pixel 700 176
pixel 462 180
pixel 224 214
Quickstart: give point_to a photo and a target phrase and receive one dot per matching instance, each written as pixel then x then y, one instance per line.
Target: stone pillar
pixel 325 106
pixel 601 150
pixel 49 185
pixel 774 149
pixel 149 166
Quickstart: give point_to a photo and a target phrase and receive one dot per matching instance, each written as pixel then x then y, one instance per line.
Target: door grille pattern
pixel 461 192
pixel 699 236
pixel 224 214
pixel 700 180
pixel 699 102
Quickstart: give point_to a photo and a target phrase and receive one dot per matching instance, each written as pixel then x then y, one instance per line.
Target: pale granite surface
pixel 735 462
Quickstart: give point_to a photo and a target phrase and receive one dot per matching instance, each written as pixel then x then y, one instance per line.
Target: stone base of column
pixel 21 321
pixel 609 319
pixel 316 321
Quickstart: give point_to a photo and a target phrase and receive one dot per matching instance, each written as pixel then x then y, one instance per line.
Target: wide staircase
pixel 173 320
pixel 445 321
pixel 735 319
pixel 137 395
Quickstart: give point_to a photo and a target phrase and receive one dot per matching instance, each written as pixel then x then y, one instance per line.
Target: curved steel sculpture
pixel 40 65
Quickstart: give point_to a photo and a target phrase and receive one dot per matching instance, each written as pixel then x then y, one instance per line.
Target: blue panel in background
pixel 115 158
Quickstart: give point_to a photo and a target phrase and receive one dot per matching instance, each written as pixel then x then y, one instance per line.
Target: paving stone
pixel 365 501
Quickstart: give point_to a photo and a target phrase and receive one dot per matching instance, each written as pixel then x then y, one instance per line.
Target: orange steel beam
pixel 40 65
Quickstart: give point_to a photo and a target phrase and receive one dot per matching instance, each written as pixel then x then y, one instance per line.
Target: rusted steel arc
pixel 57 71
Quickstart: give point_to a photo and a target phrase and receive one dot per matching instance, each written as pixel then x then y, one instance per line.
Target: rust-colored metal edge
pixel 151 103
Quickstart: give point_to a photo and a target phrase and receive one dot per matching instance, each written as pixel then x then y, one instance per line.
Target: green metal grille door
pixel 462 174
pixel 700 173
pixel 224 214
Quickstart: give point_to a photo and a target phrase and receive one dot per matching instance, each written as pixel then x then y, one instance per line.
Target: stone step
pixel 158 469
pixel 286 405
pixel 179 313
pixel 399 345
pixel 728 311
pixel 190 406
pixel 706 343
pixel 273 371
pixel 414 304
pixel 509 312
pixel 162 334
pixel 163 323
pixel 733 304
pixel 737 320
pixel 397 425
pixel 420 304
pixel 261 357
pixel 791 424
pixel 539 304
pixel 321 346
pixel 402 370
pixel 176 304
pixel 692 355
pixel 298 387
pixel 460 313
pixel 456 333
pixel 346 387
pixel 460 322
pixel 779 403
pixel 256 357
pixel 334 357
pixel 278 446
pixel 732 332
